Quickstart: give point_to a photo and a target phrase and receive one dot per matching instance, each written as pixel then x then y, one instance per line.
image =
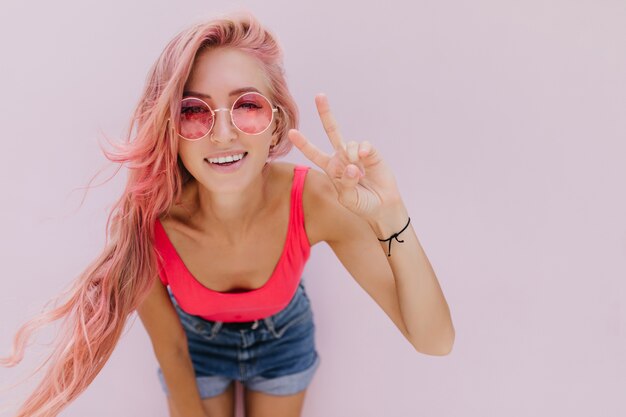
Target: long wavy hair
pixel 111 288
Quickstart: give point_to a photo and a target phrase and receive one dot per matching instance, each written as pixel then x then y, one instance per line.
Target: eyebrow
pixel 232 93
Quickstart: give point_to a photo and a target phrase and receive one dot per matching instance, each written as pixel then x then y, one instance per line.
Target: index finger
pixel 329 122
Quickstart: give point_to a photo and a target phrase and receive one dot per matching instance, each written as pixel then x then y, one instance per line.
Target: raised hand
pixel 364 183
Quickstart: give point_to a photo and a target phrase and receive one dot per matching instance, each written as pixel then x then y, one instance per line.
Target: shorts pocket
pixel 302 321
pixel 297 316
pixel 195 325
pixel 198 326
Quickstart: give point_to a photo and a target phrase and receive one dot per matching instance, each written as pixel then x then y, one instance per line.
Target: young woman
pixel 209 239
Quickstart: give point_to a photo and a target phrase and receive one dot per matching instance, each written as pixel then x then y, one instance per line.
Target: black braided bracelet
pixel 395 236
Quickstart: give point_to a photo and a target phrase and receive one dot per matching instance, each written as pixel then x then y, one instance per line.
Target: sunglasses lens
pixel 252 113
pixel 195 118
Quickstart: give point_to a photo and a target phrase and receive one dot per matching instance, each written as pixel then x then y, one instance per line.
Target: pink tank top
pixel 273 296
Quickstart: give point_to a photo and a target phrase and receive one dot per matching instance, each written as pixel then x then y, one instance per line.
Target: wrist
pixel 391 220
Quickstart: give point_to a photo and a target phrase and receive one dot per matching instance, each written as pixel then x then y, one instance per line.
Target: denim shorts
pixel 275 355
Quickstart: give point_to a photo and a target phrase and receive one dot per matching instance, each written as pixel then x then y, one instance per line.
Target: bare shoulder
pixel 322 211
pixel 319 199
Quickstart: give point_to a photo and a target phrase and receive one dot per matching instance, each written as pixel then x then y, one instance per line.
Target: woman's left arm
pixel 424 308
pixel 364 207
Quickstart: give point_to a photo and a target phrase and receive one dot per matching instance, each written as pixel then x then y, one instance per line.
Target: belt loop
pixel 255 324
pixel 217 325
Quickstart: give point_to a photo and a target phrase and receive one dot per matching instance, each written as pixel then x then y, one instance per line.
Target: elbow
pixel 436 347
pixel 435 350
pixel 165 353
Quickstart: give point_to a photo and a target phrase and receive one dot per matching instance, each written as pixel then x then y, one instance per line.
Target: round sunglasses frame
pixel 213 111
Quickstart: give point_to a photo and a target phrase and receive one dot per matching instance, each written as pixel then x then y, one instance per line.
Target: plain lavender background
pixel 504 124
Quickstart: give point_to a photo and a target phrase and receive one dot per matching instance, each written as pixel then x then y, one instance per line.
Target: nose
pixel 223 129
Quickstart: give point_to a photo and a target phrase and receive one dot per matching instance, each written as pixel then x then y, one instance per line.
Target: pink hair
pixel 111 288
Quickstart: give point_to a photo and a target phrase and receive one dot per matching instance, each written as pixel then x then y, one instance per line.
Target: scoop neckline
pixel 272 276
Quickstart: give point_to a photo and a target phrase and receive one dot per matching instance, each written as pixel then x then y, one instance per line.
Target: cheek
pixel 275 127
pixel 182 155
pixel 188 156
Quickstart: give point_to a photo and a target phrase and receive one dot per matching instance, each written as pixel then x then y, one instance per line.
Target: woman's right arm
pixel 169 342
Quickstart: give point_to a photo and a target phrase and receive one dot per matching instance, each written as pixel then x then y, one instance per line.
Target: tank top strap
pixel 297 209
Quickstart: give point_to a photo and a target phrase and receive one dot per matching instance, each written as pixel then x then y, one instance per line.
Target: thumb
pixel 348 183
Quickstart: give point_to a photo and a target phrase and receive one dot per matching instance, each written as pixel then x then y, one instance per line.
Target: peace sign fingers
pixel 309 150
pixel 335 164
pixel 329 123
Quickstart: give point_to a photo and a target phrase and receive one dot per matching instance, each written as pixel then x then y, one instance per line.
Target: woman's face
pixel 215 75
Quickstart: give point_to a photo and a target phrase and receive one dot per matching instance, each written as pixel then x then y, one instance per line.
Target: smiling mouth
pixel 227 163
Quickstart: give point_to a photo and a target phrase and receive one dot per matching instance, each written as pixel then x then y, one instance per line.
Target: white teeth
pixel 230 158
